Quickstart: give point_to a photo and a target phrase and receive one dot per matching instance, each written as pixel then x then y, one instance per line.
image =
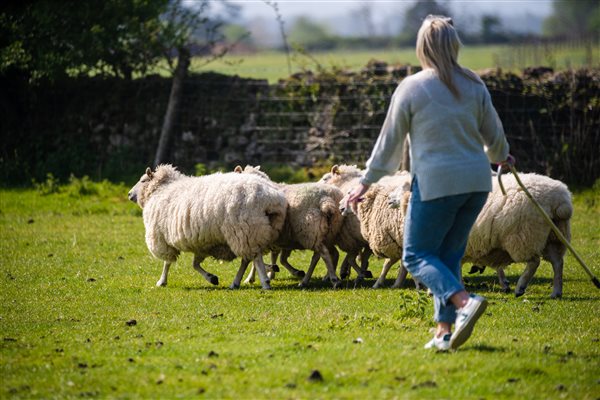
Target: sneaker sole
pixel 458 338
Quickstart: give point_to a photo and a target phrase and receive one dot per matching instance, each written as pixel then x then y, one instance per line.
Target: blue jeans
pixel 435 238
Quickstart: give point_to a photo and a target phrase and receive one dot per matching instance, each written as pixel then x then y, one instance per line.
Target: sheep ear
pixel 335 169
pixel 257 168
pixel 149 173
pixel 238 169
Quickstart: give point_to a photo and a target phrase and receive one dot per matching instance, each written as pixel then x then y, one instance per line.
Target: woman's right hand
pixel 508 163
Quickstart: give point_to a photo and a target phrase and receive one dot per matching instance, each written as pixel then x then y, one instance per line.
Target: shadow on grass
pixel 485 349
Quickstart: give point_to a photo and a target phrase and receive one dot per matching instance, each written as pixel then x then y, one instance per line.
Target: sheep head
pixel 340 173
pixel 400 197
pixel 150 181
pixel 251 170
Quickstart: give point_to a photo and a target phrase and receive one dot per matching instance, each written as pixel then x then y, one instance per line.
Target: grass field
pixel 80 317
pixel 273 65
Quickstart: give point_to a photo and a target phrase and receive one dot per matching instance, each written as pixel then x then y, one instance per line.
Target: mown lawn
pixel 80 317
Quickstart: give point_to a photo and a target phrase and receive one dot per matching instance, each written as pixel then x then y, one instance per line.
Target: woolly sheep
pixel 350 239
pixel 382 226
pixel 312 222
pixel 220 215
pixel 510 229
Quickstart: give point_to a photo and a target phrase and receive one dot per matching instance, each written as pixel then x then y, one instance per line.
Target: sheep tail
pixel 564 211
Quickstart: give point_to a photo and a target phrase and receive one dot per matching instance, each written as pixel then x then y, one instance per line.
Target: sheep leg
pixel 262 273
pixel 555 256
pixel 364 261
pixel 213 279
pixel 296 273
pixel 402 273
pixel 360 273
pixel 165 273
pixel 345 267
pixel 250 278
pixel 240 274
pixel 309 271
pixel 273 267
pixel 335 257
pixel 502 279
pixel 331 256
pixel 532 266
pixel 384 271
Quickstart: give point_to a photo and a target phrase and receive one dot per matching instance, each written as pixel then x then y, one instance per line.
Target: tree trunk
pixel 166 132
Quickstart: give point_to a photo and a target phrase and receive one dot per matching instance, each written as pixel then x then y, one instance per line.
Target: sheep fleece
pixel 219 215
pixel 511 224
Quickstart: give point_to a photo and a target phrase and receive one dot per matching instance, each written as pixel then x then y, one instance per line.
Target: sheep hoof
pixel 376 285
pixel 234 286
pixel 519 293
pixel 302 285
pixel 344 275
pixel 266 287
pixel 507 290
pixel 368 274
pixel 336 283
pixel 161 283
pixel 556 295
pixel 213 279
pixel 299 274
pixel 274 267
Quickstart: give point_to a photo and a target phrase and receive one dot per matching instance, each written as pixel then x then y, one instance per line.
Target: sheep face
pixel 134 193
pixel 400 197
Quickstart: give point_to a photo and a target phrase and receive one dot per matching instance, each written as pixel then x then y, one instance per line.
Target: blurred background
pixel 104 89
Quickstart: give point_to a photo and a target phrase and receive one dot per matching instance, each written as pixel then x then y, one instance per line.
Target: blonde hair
pixel 437 47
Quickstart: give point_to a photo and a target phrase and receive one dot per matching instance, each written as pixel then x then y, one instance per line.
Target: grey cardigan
pixel 452 141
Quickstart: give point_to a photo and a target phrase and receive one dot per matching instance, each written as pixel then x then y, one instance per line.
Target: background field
pixel 273 65
pixel 75 271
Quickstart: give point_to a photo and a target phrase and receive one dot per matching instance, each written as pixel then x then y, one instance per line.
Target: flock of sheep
pixel 244 214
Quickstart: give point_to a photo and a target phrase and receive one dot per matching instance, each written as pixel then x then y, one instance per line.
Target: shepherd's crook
pixel 558 233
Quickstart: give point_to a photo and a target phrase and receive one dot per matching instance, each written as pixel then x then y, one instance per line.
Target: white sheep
pixel 381 225
pixel 510 229
pixel 312 222
pixel 350 239
pixel 220 215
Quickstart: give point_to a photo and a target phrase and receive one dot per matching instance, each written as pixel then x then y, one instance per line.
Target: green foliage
pixel 113 37
pixel 414 16
pixel 49 186
pixel 310 35
pixel 50 39
pixel 74 279
pixel 574 19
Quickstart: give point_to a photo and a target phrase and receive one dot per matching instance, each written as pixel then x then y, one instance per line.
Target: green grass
pixel 273 65
pixel 75 269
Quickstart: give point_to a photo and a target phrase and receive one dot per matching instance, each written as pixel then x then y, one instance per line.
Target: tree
pixel 491 29
pixel 310 35
pixel 52 39
pixel 414 18
pixel 573 19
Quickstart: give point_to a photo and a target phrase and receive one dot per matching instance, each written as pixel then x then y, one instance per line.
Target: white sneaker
pixel 440 343
pixel 466 317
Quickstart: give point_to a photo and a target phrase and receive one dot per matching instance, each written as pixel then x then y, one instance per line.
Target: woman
pixel 454 134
